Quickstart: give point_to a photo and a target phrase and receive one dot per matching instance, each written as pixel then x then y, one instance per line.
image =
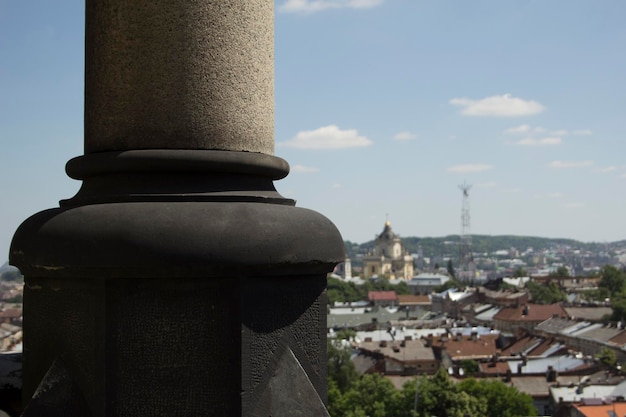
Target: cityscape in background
pixel 545 316
pixel 534 313
pixel 389 107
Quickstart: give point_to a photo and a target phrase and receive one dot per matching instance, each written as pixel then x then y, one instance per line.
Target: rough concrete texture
pixel 289 376
pixel 176 346
pixel 179 74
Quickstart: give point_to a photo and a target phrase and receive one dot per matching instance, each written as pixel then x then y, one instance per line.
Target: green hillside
pixel 448 245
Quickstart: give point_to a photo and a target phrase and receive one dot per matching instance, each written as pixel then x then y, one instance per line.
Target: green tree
pixel 341 370
pixel 440 396
pixel 599 294
pixel 612 279
pixel 520 272
pixel 545 294
pixel 342 291
pixel 469 366
pixel 501 400
pixel 505 286
pixel 371 395
pixel 561 271
pixel 345 334
pixel 451 283
pixel 618 305
pixel 607 357
pixel 402 288
pixel 335 399
pixel 450 268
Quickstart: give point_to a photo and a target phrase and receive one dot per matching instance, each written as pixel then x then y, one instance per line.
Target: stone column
pixel 177 281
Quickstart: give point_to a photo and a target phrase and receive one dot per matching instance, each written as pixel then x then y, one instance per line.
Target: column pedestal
pixel 176 283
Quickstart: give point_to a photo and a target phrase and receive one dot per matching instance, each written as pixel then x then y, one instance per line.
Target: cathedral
pixel 388 259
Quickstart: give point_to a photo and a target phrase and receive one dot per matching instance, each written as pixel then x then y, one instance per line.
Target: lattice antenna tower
pixel 466 261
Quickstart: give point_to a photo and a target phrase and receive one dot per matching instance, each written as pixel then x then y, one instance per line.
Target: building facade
pixel 388 258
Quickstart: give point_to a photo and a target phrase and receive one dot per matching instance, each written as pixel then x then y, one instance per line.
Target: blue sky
pixel 382 107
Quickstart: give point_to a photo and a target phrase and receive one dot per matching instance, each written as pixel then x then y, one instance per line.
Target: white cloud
pixel 551 195
pixel 518 129
pixel 539 142
pixel 487 184
pixel 524 129
pixel 499 106
pixel 312 6
pixel 561 132
pixel 582 132
pixel 301 169
pixel 570 164
pixel 337 186
pixel 470 168
pixel 509 190
pixel 405 136
pixel 327 137
pixel 574 205
pixel 611 168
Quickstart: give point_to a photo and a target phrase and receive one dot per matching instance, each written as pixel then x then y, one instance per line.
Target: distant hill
pixel 448 245
pixel 9 273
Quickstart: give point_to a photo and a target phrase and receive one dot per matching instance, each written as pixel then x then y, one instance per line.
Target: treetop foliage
pixel 613 282
pixel 350 395
pixel 545 294
pixel 342 291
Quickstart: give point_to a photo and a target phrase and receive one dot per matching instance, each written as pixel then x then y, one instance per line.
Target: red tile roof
pixel 519 345
pixel 538 344
pixel 408 299
pixel 619 339
pixel 601 410
pixel 12 313
pixel 494 368
pixel 534 313
pixel 466 347
pixel 382 296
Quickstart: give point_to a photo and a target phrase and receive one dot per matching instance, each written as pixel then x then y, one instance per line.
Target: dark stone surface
pixel 65 318
pixel 290 392
pixel 155 229
pixel 179 347
pixel 279 316
pixel 57 395
pixel 172 302
pixel 11 383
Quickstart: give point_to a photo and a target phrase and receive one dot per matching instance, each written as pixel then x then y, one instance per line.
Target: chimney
pixel 428 342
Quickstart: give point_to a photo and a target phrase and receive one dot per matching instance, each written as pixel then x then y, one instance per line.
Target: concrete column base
pixel 144 297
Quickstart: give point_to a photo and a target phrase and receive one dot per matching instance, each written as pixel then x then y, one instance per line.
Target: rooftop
pixel 459 347
pixel 406 299
pixel 531 313
pixel 604 410
pixel 382 296
pixel 412 351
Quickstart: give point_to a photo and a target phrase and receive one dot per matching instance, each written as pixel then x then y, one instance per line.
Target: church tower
pixel 388 258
